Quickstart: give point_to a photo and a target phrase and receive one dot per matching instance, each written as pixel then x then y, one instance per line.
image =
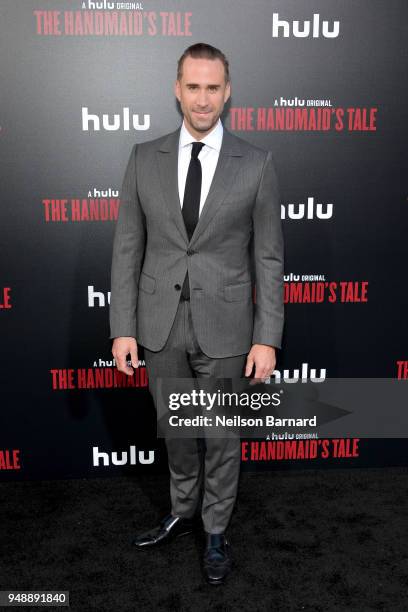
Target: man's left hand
pixel 263 357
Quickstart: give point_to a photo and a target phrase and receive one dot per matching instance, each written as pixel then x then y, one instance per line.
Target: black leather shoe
pixel 217 560
pixel 171 527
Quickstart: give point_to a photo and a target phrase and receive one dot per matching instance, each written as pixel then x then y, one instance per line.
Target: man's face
pixel 202 93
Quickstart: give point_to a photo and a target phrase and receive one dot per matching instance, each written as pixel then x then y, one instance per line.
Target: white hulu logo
pixel 298 211
pixel 112 125
pixel 126 458
pixel 304 32
pixel 94 296
pixel 100 5
pixel 302 375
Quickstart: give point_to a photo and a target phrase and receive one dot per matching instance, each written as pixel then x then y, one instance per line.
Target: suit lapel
pixel 227 167
pixel 167 159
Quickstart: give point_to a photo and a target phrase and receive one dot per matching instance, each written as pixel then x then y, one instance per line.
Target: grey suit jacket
pixel 237 243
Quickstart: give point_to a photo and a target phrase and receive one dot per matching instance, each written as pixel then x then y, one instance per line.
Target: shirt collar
pixel 212 140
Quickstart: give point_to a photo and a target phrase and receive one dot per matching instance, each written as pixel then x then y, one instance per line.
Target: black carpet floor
pixel 311 540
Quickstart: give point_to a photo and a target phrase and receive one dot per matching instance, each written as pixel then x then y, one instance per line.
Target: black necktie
pixel 191 201
pixel 192 191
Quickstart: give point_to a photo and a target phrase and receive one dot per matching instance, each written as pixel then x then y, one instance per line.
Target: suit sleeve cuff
pixel 274 340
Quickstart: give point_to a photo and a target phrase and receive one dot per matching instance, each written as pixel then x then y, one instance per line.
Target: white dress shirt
pixel 208 157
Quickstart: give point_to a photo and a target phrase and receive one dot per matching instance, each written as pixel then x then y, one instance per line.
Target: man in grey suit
pixel 197 207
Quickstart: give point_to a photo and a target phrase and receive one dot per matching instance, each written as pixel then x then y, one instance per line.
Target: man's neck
pixel 200 135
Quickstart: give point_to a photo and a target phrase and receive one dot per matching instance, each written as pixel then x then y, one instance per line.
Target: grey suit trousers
pixel 198 467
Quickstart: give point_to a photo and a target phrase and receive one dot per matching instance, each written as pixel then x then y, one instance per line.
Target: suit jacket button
pixel 177 287
pixel 190 252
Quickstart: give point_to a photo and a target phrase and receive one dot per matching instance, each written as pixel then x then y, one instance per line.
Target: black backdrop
pixel 341 164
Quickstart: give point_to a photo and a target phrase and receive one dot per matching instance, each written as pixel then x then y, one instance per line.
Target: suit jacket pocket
pixel 236 293
pixel 147 283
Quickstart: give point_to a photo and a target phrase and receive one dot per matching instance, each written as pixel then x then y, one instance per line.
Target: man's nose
pixel 202 99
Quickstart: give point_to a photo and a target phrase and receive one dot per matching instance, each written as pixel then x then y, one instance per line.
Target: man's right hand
pixel 121 348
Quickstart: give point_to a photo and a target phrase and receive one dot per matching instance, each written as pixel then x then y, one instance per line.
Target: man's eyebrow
pixel 198 85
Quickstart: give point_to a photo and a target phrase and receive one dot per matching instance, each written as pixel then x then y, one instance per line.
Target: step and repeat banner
pixel 321 84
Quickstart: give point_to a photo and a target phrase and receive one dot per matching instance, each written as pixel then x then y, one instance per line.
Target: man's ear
pixel 177 90
pixel 227 91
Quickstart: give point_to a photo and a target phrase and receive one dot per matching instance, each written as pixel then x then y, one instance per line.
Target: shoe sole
pixel 161 542
pixel 184 533
pixel 215 582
